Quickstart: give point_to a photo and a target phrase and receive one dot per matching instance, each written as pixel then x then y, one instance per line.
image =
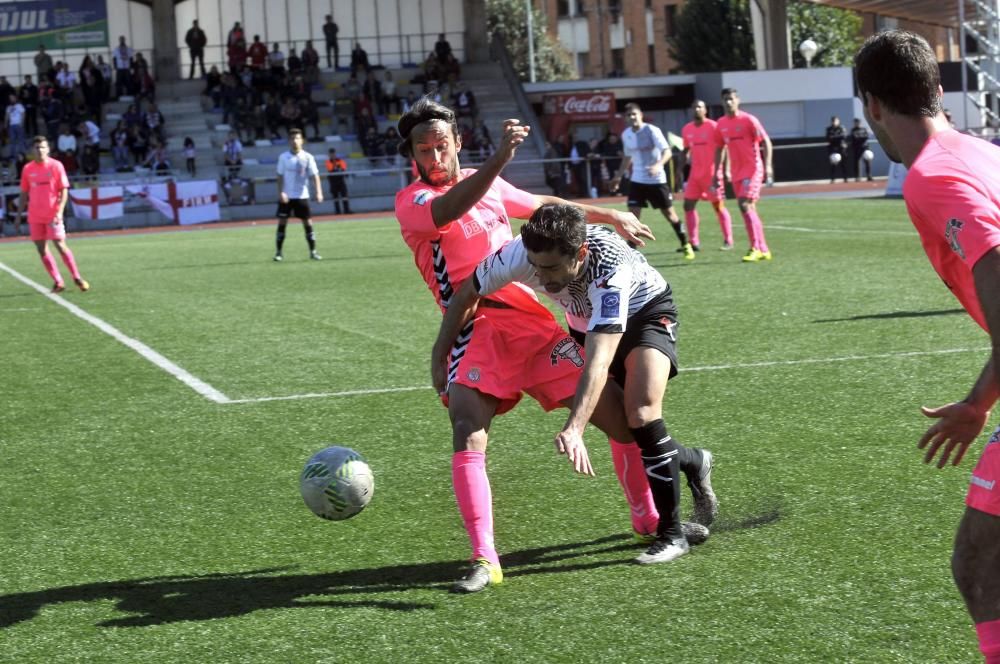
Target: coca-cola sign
pixel 594 105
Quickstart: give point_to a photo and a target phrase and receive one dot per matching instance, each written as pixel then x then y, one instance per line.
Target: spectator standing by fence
pixel 330 30
pixel 196 41
pixel 336 169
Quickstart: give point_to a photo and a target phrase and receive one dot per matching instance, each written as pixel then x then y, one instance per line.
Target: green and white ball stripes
pixel 336 483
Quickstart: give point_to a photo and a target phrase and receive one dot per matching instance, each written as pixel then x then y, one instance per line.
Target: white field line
pixel 848 231
pixel 212 394
pixel 196 384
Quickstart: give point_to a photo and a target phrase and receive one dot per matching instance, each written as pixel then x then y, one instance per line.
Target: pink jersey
pixel 447 255
pixel 952 193
pixel 700 140
pixel 741 134
pixel 44 183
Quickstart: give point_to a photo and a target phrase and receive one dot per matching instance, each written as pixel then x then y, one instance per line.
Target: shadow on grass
pixel 894 314
pixel 169 599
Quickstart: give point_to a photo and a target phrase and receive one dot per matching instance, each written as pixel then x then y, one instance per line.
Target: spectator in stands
pixel 14 124
pixel 442 49
pixel 330 30
pixel 451 68
pixel 158 159
pixel 29 99
pixel 196 41
pixel 138 142
pixel 433 91
pixel 482 140
pixel 373 145
pixel 132 117
pixel 391 141
pixel 554 176
pixel 411 99
pixel 290 114
pixel 142 83
pixel 611 150
pixel 43 64
pixel 236 53
pixel 92 87
pixel 310 63
pixel 52 113
pixel 390 98
pixel 336 169
pixel 229 96
pixel 373 90
pixel 578 165
pixel 595 161
pixel 258 54
pixel 154 122
pixel 213 86
pixel 66 150
pixel 352 89
pixel 359 59
pixel 364 120
pixel 276 62
pixel 105 70
pixel 6 90
pixel 310 116
pixel 90 136
pixel 464 102
pixel 122 59
pixel 190 153
pixel 65 78
pixel 232 154
pixel 293 63
pixel 236 33
pixel 273 115
pixel 120 147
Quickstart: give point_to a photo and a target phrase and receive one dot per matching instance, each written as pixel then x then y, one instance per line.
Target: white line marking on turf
pixel 717 367
pixel 196 384
pixel 838 230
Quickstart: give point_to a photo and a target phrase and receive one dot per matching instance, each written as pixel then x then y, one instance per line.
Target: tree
pixel 506 18
pixel 837 32
pixel 713 35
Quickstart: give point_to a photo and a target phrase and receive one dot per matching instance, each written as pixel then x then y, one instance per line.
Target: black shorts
pixel 653 326
pixel 658 196
pixel 295 207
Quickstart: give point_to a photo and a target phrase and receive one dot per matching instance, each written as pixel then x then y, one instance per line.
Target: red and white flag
pixel 97 202
pixel 191 202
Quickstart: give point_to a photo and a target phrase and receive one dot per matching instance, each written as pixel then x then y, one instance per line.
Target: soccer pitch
pixel 153 431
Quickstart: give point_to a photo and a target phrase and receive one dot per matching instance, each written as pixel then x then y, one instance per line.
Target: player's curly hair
pixel 425 110
pixel 555 226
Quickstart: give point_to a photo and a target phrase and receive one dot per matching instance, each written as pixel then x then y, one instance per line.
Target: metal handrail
pixel 499 52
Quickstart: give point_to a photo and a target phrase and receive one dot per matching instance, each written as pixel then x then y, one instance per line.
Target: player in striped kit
pixel 623 311
pixel 699 142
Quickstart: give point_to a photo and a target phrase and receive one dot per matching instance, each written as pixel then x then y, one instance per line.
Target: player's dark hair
pixel 555 226
pixel 424 110
pixel 39 139
pixel 293 132
pixel 899 68
pixel 729 91
pixel 632 106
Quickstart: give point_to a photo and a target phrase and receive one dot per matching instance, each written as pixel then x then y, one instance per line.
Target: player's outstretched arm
pixel 958 424
pixel 460 198
pixel 600 349
pixel 461 308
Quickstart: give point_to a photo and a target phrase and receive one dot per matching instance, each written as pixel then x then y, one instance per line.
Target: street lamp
pixel 808 49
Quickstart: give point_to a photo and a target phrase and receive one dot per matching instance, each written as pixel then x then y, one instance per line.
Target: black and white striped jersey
pixel 614 282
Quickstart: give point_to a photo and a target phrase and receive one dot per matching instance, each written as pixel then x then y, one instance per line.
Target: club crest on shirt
pixel 567 349
pixel 951 231
pixel 609 305
pixel 473 375
pixel 420 198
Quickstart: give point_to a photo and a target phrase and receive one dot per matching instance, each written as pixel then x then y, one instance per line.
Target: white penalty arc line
pixel 716 367
pixel 196 384
pixel 839 231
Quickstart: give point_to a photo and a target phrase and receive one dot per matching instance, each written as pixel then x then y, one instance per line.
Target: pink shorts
pixel 54 231
pixel 701 189
pixel 984 489
pixel 748 187
pixel 511 352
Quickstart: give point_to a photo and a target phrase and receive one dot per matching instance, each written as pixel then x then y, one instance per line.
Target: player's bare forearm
pixel 986 272
pixel 768 150
pixel 461 308
pixel 599 350
pixel 63 198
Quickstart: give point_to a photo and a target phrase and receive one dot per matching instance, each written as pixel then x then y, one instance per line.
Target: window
pixel 670 20
pixel 618 61
pixel 652 59
pixel 562 8
pixel 583 64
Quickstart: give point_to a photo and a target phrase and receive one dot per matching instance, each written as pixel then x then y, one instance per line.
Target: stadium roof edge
pixel 936 12
pixel 598 84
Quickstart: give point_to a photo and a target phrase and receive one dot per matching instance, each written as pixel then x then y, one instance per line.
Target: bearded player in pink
pixel 740 133
pixel 452 219
pixel 44 191
pixel 952 193
pixel 699 143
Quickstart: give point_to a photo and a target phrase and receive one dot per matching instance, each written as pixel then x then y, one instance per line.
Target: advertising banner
pixel 58 24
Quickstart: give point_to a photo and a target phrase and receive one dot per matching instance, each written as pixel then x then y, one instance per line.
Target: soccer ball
pixel 336 483
pixel 867 155
pixel 835 158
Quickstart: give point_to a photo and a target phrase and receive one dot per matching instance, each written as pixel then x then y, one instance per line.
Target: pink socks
pixel 70 262
pixel 691 221
pixel 631 474
pixel 50 266
pixel 755 230
pixel 989 640
pixel 475 502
